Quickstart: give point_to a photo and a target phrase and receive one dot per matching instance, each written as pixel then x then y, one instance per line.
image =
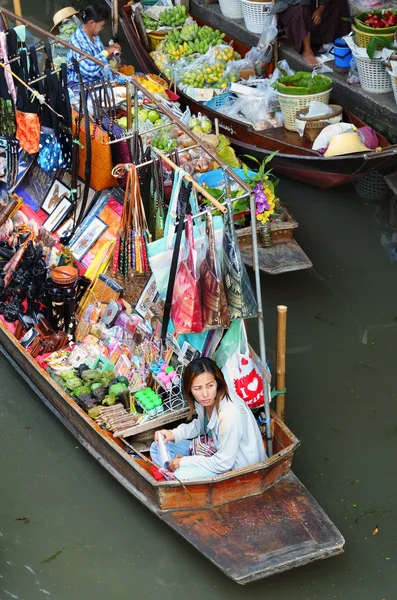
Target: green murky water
pixel 67 530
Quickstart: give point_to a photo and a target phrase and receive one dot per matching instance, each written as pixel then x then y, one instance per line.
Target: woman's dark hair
pixel 197 367
pixel 94 12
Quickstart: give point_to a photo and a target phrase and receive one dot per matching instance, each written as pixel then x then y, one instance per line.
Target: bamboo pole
pixel 198 187
pixel 280 359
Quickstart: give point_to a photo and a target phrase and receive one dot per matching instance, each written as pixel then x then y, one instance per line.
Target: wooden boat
pixel 250 523
pixel 295 158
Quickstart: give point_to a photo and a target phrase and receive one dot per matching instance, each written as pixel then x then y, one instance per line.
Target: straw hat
pixel 62 14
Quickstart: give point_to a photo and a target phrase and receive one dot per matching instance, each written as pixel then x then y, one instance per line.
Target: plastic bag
pixel 352 77
pixel 235 358
pixel 208 70
pixel 260 57
pixel 268 34
pixel 243 69
pixel 317 109
pixel 255 112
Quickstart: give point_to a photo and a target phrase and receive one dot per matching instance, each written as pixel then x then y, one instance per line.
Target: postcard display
pixel 122 364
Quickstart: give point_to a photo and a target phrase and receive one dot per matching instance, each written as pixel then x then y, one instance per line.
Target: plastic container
pixel 151 410
pixel 290 105
pixel 394 84
pixel 342 54
pixel 373 75
pixel 214 179
pixel 231 9
pixel 158 404
pixel 256 15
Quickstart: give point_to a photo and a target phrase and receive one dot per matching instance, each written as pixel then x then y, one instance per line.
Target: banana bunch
pixel 189 32
pixel 172 17
pixel 150 24
pixel 192 39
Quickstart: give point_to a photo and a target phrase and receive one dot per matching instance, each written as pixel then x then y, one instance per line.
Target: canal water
pixel 68 530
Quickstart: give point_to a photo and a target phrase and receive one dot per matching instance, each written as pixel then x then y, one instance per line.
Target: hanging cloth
pixel 8 75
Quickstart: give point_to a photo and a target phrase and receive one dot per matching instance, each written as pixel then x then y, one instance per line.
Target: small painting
pixel 87 238
pixel 58 192
pixel 57 216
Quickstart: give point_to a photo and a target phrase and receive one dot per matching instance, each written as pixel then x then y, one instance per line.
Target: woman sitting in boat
pixel 87 39
pixel 309 24
pixel 224 436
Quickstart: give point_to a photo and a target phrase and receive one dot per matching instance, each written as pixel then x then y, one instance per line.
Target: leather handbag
pixel 214 302
pixel 27 118
pixel 186 302
pixel 7 110
pixel 240 296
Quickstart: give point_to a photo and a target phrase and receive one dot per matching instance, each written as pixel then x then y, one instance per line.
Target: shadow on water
pixel 69 531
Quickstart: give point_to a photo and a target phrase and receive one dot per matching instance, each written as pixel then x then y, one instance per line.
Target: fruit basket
pixel 377 21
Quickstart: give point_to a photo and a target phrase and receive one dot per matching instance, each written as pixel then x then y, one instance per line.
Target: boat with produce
pixel 296 158
pixel 250 523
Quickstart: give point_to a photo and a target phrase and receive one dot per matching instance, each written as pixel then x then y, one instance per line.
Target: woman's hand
pixel 167 433
pixel 114 48
pixel 174 464
pixel 318 15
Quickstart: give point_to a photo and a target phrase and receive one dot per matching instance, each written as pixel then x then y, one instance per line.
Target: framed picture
pixel 57 216
pixel 87 238
pixel 66 228
pixel 147 297
pixel 57 193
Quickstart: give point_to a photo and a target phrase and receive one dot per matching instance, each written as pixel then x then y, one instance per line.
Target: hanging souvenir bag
pixel 101 176
pixel 27 118
pixel 156 208
pixel 186 301
pixel 240 366
pixel 240 296
pixel 130 266
pixel 214 301
pixel 7 109
pixel 52 156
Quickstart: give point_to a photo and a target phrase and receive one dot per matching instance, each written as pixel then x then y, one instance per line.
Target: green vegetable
pixel 109 400
pixel 73 383
pixel 94 412
pixel 91 375
pixel 96 385
pixel 117 388
pixel 82 389
pixel 68 374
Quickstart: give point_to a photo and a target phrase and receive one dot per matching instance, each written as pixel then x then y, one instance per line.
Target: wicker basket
pixel 394 84
pixel 290 105
pixel 256 14
pixel 373 75
pixel 155 38
pixel 231 9
pixel 372 187
pixel 362 38
pixel 315 124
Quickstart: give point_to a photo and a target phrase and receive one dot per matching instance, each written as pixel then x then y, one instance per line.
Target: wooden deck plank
pixel 282 528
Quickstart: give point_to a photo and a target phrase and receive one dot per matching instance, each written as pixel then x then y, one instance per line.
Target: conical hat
pixel 62 14
pixel 345 143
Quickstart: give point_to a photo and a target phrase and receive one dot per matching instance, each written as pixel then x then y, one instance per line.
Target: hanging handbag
pixel 101 155
pixel 240 296
pixel 52 154
pixel 130 265
pixel 214 301
pixel 7 109
pixel 27 118
pixel 186 301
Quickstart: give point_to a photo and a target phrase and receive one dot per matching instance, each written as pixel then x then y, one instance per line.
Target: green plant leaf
pixel 378 41
pixel 251 158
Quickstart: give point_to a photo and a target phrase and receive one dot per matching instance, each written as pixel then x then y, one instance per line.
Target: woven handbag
pixel 214 302
pixel 239 293
pixel 130 265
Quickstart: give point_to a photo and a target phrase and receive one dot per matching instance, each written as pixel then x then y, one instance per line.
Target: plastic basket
pixel 256 14
pixel 373 75
pixel 216 178
pixel 231 8
pixel 221 100
pixel 290 105
pixel 394 84
pixel 155 38
pixel 362 38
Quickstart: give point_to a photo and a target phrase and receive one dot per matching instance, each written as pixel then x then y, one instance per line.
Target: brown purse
pixel 214 302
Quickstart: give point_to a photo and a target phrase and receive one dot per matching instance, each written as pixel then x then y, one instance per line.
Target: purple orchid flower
pixel 261 199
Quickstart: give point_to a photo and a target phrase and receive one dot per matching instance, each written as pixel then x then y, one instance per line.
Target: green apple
pixel 194 123
pixel 122 122
pixel 143 114
pixel 206 126
pixel 153 116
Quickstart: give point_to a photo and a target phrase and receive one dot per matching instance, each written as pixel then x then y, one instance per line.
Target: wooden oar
pixel 280 359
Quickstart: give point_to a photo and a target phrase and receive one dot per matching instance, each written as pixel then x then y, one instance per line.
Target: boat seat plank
pixel 280 258
pixel 282 528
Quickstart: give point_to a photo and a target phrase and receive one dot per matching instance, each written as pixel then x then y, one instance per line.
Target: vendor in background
pixel 87 39
pixel 311 23
pixel 233 439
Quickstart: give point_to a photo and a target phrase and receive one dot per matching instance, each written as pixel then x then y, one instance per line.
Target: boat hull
pixel 297 162
pixel 249 538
